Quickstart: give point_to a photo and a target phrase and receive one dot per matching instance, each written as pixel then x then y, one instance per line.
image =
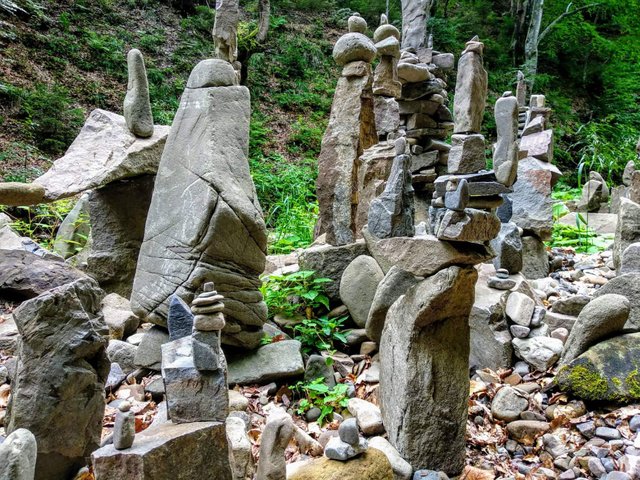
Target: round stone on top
pixel 356 23
pixel 348 431
pixel 385 30
pixel 354 47
pixel 212 72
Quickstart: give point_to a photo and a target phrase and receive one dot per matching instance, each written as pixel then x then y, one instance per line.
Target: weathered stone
pixel 274 361
pixel 124 428
pixel 118 215
pixel 387 115
pixel 535 125
pixel 508 404
pixel 471 90
pixel 627 285
pixel 330 262
pixel 539 352
pixel 424 255
pixel 137 107
pixel 18 193
pixel 182 247
pixel 518 331
pixel 24 275
pixel 372 465
pixel 538 145
pixel 471 225
pixel 520 308
pixel 122 353
pixel 58 392
pixel 600 318
pixel 353 47
pixel 349 444
pixel 535 261
pixel 317 367
pixel 521 89
pixel 605 372
pixel 532 202
pixel 409 73
pixel 466 154
pixel 118 316
pixel 374 167
pixel 627 229
pixel 358 287
pixel 149 353
pixel 357 24
pixel 629 168
pixel 391 213
pixel 276 435
pixel 18 455
pixel 424 356
pixel 350 131
pixel 592 196
pixel 414 24
pixel 402 470
pixel 168 452
pixel 104 151
pixel 444 61
pixel 526 431
pixel 225 30
pixel 505 152
pixel 180 318
pixel 212 72
pixel 572 305
pixel 193 395
pixel 240 444
pixel 508 248
pixel 368 416
pixel 630 262
pixel 394 284
pixel 458 199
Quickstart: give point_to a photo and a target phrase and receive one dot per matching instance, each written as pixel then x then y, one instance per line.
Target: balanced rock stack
pixel 207 325
pixel 347 444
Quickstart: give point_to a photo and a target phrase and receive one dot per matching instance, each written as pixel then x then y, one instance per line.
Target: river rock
pixel 368 416
pixel 605 372
pixel 104 151
pixel 508 404
pixel 118 316
pixel 182 248
pixel 539 352
pixel 354 47
pixel 508 248
pixel 137 107
pixel 600 318
pixel 275 437
pixel 402 470
pixel 427 331
pixel 274 361
pixel 58 392
pixel 168 452
pixel 18 453
pixel 358 287
pixel 242 461
pixel 627 285
pixel 520 308
pixel 372 465
pixel 471 89
pixel 526 431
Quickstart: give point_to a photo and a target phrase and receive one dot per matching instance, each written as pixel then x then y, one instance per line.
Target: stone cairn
pixel 347 444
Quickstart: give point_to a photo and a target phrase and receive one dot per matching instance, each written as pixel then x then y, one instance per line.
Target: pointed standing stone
pixel 521 90
pixel 124 428
pixel 505 154
pixel 137 107
pixel 471 89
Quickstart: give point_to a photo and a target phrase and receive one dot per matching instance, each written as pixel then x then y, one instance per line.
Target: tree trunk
pixel 415 14
pixel 264 7
pixel 531 42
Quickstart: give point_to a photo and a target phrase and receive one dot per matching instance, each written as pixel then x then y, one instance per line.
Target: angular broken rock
pixel 466 154
pixel 508 248
pixel 424 359
pixel 268 363
pixel 58 392
pixel 167 452
pixel 539 352
pixel 214 210
pixel 424 255
pixel 137 107
pixel 104 151
pixel 538 145
pixel 627 229
pixel 471 90
pixel 471 225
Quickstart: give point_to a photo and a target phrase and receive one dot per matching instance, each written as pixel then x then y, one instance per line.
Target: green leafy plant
pixel 317 394
pixel 295 293
pixel 40 222
pixel 322 333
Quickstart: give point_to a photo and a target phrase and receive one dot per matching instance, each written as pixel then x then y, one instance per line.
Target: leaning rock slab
pixel 471 89
pixel 270 362
pixel 205 223
pixel 607 371
pixel 168 452
pixel 424 356
pixel 627 285
pixel 58 392
pixel 602 317
pixel 104 151
pixel 424 255
pixel 18 456
pixel 358 287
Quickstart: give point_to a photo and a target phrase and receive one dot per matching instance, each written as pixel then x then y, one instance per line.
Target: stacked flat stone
pixel 348 444
pixel 207 325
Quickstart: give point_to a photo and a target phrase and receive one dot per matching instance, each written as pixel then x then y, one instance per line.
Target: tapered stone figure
pixel 505 153
pixel 471 89
pixel 137 106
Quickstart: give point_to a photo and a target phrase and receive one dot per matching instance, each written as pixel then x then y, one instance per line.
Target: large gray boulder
pixel 58 392
pixel 358 287
pixel 599 319
pixel 18 456
pixel 606 372
pixel 137 107
pixel 630 262
pixel 24 275
pixel 168 452
pixel 424 360
pixel 205 223
pixel 118 214
pixel 627 285
pixel 104 151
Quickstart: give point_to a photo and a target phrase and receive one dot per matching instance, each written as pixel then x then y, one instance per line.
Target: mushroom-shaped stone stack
pixel 387 43
pixel 207 324
pixel 354 46
pixel 348 444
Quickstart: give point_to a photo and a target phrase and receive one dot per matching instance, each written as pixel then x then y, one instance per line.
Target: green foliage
pixel 322 333
pixel 579 236
pixel 295 293
pixel 317 394
pixel 40 222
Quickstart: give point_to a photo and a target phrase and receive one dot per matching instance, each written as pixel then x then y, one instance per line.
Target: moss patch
pixel 588 384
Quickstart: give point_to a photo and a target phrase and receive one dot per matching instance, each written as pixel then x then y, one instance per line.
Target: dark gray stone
pixel 630 262
pixel 535 261
pixel 180 318
pixel 274 361
pixel 572 305
pixel 122 353
pixel 508 248
pixel 149 353
pixel 458 199
pixel 317 367
pixel 58 392
pixel 206 350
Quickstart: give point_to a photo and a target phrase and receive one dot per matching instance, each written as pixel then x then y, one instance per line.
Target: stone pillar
pixel 424 360
pixel 350 131
pixel 137 107
pixel 58 393
pixel 505 152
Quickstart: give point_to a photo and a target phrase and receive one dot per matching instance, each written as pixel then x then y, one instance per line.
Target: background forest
pixel 61 59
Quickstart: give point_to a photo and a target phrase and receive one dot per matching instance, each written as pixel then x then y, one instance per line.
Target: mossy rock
pixel 608 371
pixel 372 465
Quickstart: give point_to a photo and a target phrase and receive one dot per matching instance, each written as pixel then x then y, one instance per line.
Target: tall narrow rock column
pixel 205 223
pixel 351 130
pixel 137 106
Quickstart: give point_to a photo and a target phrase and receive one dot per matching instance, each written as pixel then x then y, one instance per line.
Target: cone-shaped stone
pixel 137 107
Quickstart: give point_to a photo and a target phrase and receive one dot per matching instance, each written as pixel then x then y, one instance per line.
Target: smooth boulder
pixel 358 287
